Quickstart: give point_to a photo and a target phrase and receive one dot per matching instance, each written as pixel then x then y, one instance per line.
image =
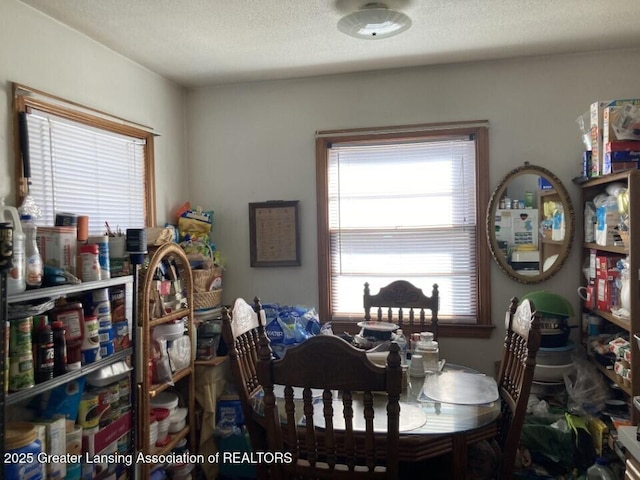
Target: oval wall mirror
pixel 530 224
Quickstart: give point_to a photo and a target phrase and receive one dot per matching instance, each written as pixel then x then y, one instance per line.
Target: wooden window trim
pixel 483 326
pixel 23 102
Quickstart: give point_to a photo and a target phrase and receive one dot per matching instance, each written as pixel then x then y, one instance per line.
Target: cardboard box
pixel 596 113
pixel 56 444
pixel 544 184
pixel 607 294
pixel 622 146
pixel 58 247
pixel 613 121
pixel 613 166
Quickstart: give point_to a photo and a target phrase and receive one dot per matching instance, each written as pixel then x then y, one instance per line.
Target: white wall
pixel 43 54
pixel 255 142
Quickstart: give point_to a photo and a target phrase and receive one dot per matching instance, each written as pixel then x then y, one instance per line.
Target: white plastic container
pixel 600 471
pixel 16 278
pixel 178 420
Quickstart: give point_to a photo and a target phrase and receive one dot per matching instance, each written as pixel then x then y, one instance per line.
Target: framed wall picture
pixel 274 234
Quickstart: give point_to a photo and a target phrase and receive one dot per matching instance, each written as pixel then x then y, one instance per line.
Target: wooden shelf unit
pixel 589 190
pixel 184 379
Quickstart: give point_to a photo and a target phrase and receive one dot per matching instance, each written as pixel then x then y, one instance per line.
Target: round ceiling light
pixel 374 21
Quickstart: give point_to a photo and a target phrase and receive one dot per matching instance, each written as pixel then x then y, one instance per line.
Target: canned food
pixel 89 411
pixel 21 375
pixel 20 335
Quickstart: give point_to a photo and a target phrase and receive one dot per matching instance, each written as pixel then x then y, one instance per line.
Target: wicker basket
pixel 210 299
pixel 205 280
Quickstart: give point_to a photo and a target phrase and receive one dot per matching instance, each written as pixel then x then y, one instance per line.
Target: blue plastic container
pixel 21 449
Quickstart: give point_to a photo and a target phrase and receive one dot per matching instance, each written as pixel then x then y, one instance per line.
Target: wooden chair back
pixel 521 344
pixel 241 329
pixel 331 435
pixel 403 303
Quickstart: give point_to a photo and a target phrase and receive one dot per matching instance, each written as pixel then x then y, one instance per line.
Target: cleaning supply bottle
pixel 600 470
pixel 15 279
pixel 33 260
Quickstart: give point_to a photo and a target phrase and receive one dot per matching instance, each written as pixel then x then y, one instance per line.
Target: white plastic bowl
pixel 551 373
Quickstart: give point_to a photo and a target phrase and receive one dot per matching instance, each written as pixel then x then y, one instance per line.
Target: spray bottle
pixel 16 278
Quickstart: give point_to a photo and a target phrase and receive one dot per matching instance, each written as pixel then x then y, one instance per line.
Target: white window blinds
pixel 404 211
pixel 86 170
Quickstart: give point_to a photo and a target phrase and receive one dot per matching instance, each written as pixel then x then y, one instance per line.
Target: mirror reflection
pixel 530 224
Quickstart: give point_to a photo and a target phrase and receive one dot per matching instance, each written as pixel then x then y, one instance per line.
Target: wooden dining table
pixel 464 411
pixel 431 427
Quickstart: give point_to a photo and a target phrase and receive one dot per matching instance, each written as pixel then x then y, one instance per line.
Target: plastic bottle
pixel 44 353
pixel 33 259
pixel 600 471
pixel 401 340
pixel 59 348
pixel 15 279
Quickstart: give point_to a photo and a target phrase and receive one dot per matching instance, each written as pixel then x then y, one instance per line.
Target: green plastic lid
pixel 549 303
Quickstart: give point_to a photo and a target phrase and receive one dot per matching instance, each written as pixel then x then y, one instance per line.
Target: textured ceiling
pixel 207 42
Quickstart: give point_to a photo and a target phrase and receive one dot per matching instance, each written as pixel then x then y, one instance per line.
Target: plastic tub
pixel 555 356
pixel 162 418
pixel 551 373
pixel 153 429
pixel 178 420
pixel 165 399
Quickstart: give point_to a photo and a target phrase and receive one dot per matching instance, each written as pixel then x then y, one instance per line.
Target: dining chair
pixel 330 434
pixel 400 302
pixel 521 344
pixel 241 328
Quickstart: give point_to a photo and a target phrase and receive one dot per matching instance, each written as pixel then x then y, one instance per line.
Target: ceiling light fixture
pixel 374 21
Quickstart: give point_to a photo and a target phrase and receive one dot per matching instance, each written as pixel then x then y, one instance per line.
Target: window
pixel 81 162
pixel 405 203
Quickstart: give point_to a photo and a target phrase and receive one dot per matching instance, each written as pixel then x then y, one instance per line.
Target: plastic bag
pixel 586 388
pixel 180 353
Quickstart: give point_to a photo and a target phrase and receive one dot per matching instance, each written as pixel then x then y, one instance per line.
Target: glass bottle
pixel 401 340
pixel 59 348
pixel 44 352
pixel 33 259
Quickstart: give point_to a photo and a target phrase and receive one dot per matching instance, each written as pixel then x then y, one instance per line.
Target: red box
pixel 622 146
pixel 606 292
pixel 590 294
pixel 606 267
pixel 96 443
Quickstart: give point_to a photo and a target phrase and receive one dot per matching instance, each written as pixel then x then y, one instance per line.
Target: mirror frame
pixel 565 249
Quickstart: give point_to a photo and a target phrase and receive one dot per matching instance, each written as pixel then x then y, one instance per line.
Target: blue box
pixel 231 406
pixel 544 184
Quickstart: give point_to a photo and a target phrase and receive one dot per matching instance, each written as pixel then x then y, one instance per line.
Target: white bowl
pixel 551 373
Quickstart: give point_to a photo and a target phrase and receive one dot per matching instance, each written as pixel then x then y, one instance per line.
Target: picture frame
pixel 274 233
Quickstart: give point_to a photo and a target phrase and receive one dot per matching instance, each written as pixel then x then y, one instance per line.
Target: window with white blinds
pixel 86 170
pixel 404 211
pixel 405 203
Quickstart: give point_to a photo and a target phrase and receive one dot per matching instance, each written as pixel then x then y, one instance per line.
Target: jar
pixel 90 262
pixel 22 448
pixel 428 349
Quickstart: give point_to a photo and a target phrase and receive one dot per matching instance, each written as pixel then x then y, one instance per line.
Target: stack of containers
pixel 102 309
pixel 163 406
pixel 163 419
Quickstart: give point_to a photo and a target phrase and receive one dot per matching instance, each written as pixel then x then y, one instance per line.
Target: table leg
pixel 459 456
